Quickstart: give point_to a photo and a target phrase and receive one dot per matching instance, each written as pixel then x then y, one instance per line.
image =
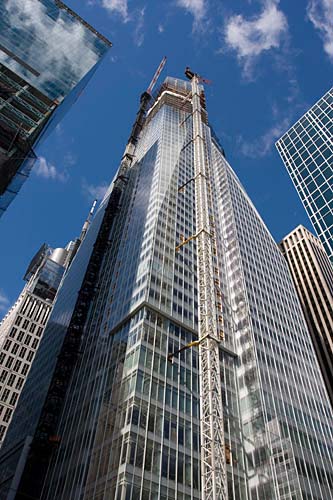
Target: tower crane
pixel 140 117
pixel 213 449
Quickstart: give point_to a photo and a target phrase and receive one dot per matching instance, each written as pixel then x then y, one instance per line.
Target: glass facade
pixel 307 152
pixel 51 47
pixel 129 427
pixel 47 55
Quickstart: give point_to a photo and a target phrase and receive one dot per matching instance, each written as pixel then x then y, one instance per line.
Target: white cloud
pixel 263 145
pixel 282 115
pixel 46 170
pixel 320 13
pixel 59 130
pixel 197 8
pixel 136 17
pixel 250 38
pixel 4 302
pixel 118 6
pixel 93 192
pixel 160 28
pixel 70 159
pixel 138 34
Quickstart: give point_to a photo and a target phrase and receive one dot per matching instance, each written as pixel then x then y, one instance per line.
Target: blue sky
pixel 268 61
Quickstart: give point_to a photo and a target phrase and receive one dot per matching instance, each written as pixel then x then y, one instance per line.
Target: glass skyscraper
pixel 47 55
pixel 127 420
pixel 306 150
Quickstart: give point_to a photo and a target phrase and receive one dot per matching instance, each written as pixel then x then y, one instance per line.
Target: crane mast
pixel 213 463
pixel 140 118
pixel 156 76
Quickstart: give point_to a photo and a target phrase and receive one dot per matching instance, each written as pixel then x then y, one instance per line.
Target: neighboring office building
pixel 307 152
pixel 126 424
pixel 47 56
pixel 23 326
pixel 313 278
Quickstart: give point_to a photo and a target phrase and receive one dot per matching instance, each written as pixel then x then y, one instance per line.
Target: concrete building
pixel 23 326
pixel 306 150
pixel 47 55
pixel 312 273
pixel 104 413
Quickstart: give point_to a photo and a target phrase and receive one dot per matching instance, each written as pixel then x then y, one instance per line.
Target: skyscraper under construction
pixel 114 406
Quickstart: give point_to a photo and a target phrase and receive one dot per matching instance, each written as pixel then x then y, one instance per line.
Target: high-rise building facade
pixel 126 423
pixel 22 328
pixel 313 277
pixel 47 55
pixel 306 150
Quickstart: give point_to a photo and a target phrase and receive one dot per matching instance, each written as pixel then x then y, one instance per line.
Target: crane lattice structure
pixel 214 453
pixel 213 464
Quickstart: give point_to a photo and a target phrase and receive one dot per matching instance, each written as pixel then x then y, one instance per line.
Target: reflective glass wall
pixel 51 47
pixel 48 53
pixel 307 152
